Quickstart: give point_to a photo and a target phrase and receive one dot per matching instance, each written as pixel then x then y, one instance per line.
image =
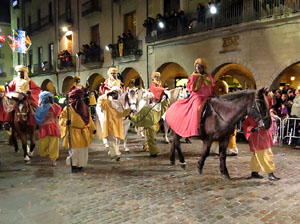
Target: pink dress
pixel 182 116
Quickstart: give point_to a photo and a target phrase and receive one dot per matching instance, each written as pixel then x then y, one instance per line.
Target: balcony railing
pixel 39 69
pixel 228 13
pixel 127 48
pixel 92 57
pixel 90 6
pixel 66 63
pixel 65 19
pixel 45 21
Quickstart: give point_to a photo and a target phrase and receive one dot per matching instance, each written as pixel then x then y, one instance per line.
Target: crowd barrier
pixel 287 131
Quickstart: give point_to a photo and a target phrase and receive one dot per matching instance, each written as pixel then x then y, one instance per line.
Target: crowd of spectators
pixel 91 52
pixel 178 21
pixel 65 58
pixel 126 42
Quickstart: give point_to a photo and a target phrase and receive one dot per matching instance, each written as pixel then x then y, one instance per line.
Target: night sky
pixel 4 11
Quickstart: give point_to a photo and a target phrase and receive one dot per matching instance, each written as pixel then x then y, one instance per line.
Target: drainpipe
pixel 78 37
pixel 56 42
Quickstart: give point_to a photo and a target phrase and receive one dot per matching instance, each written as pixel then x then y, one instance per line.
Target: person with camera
pixel 46 117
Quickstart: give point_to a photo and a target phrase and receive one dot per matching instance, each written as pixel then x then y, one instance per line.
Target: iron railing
pixel 66 62
pixel 127 48
pixel 43 22
pixel 228 13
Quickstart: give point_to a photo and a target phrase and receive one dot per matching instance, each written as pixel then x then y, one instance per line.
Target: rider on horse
pixel 156 87
pixel 111 81
pixel 184 115
pixel 24 85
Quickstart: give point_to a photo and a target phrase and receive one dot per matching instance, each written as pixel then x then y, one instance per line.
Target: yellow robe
pixel 113 119
pixel 81 133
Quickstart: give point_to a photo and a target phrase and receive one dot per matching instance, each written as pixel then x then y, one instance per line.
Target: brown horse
pixel 21 127
pixel 218 123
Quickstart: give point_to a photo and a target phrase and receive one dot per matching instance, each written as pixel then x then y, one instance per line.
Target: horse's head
pixel 132 99
pixel 259 109
pixel 22 111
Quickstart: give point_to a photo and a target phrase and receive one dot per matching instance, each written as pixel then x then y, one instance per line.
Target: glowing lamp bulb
pixel 161 25
pixel 293 78
pixel 213 9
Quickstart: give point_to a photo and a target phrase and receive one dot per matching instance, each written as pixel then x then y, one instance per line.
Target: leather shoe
pixel 256 175
pixel 6 126
pixel 75 169
pixel 272 177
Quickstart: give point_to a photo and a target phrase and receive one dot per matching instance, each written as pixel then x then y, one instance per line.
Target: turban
pixel 43 96
pixel 21 68
pixel 112 70
pixel 76 77
pixel 202 62
pixel 76 102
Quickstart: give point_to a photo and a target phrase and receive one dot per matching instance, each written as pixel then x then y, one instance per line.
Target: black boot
pixel 75 169
pixel 6 126
pixel 272 177
pixel 255 175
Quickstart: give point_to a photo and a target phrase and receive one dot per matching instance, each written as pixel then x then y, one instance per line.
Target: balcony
pixel 91 7
pixel 38 69
pixel 39 25
pixel 228 13
pixel 130 51
pixel 66 63
pixel 65 19
pixel 92 58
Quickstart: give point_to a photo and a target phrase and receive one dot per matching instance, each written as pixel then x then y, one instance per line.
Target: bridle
pixel 22 116
pixel 256 107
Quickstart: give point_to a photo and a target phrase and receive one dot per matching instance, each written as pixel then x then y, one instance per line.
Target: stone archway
pixel 171 74
pixel 67 84
pixel 129 74
pixel 48 85
pixel 95 80
pixel 290 76
pixel 235 75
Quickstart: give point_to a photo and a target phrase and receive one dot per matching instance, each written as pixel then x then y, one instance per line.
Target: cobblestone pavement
pixel 142 189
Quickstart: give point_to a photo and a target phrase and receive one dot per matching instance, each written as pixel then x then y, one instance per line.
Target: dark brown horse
pixel 21 127
pixel 218 123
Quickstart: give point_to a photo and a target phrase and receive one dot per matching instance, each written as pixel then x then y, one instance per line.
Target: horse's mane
pixel 236 95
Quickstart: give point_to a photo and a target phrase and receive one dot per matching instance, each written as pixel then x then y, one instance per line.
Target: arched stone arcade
pixel 290 76
pixel 129 74
pixel 173 75
pixel 95 80
pixel 235 75
pixel 67 84
pixel 48 85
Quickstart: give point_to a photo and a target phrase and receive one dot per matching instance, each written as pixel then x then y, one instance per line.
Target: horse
pixel 218 122
pixel 20 124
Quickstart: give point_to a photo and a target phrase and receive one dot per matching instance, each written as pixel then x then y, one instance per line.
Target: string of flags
pixel 19 41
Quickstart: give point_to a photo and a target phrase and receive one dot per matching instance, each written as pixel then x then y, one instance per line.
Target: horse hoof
pixel 183 165
pixel 172 163
pixel 226 177
pixel 26 158
pixel 200 171
pixel 30 153
pixel 167 142
pixel 127 150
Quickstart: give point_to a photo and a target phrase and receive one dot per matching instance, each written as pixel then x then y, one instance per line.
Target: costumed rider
pixel 156 87
pixel 111 81
pixel 82 129
pixel 184 115
pixel 148 117
pixel 24 85
pixel 46 117
pixel 221 88
pixel 112 125
pixel 260 142
pixel 2 115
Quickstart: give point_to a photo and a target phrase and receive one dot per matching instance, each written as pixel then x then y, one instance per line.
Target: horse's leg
pixel 180 155
pixel 14 140
pixel 166 129
pixel 204 155
pixel 175 145
pixel 32 142
pixel 126 126
pixel 24 146
pixel 223 168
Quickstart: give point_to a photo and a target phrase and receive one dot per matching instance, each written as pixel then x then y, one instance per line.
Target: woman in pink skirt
pixel 183 116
